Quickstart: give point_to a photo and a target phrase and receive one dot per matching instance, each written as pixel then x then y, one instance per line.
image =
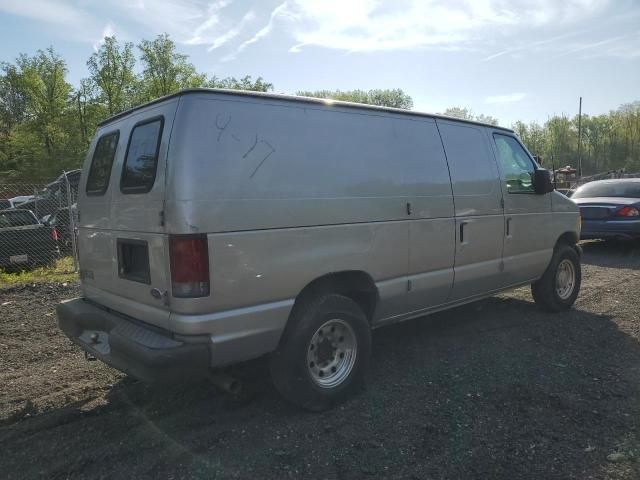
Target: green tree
pixel 562 138
pixel 395 98
pixel 84 107
pixel 245 83
pixel 165 71
pixel 488 119
pixel 46 125
pixel 46 92
pixel 12 108
pixel 592 137
pixel 458 112
pixel 609 141
pixel 466 114
pixel 111 75
pixel 81 117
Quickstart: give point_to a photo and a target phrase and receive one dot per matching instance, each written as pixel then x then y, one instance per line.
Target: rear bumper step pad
pixel 134 348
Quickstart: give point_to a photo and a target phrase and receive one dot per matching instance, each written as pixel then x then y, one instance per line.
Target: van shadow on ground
pixel 495 389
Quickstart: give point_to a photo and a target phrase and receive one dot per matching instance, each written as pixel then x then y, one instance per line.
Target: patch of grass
pixel 59 271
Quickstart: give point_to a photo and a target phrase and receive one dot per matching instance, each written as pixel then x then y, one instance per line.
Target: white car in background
pixel 19 200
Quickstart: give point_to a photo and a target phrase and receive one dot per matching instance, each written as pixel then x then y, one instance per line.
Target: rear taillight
pixel 628 212
pixel 189 257
pixel 55 235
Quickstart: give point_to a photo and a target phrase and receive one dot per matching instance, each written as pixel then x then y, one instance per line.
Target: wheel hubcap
pixel 331 354
pixel 565 279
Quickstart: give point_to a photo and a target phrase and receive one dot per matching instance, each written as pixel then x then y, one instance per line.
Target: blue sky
pixel 512 59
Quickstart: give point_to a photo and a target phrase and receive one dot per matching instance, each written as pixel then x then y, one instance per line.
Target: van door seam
pixel 453 200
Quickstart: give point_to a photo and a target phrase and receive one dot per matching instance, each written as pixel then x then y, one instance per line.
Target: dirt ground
pixel 496 389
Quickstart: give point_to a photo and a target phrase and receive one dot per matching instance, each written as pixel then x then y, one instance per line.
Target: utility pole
pixel 580 139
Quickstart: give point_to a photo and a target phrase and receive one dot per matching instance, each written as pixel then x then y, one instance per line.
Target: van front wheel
pixel 324 353
pixel 558 288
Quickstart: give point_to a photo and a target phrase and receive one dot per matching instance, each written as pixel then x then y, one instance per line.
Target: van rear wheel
pixel 324 352
pixel 558 288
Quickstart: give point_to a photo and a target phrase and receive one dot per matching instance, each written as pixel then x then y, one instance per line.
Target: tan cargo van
pixel 219 226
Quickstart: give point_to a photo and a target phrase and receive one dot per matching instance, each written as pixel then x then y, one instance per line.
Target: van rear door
pixel 122 241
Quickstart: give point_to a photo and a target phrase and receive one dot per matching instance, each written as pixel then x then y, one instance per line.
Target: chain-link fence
pixel 607 175
pixel 38 227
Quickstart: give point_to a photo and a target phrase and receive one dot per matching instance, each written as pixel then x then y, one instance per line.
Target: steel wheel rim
pixel 565 279
pixel 331 353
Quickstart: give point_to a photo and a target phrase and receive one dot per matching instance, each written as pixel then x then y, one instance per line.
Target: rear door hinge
pixel 502 202
pixel 409 285
pixel 162 218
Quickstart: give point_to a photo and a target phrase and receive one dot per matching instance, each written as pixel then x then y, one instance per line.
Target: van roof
pixel 294 98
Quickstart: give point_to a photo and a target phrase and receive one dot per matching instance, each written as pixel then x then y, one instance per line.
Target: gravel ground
pixel 496 389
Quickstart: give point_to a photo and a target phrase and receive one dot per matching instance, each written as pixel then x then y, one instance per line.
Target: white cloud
pixel 372 25
pixel 510 98
pixel 344 25
pixel 180 18
pixel 76 21
pixel 621 50
pixel 208 25
pixel 233 32
pixel 107 31
pixel 531 46
pixel 187 21
pixel 619 45
pixel 280 10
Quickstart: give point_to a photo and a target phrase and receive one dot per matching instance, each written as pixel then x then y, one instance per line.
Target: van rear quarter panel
pixel 288 192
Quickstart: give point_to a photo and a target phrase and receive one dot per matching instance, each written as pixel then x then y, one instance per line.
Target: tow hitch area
pixel 95 340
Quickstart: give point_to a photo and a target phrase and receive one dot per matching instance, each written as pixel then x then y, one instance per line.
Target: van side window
pixel 469 159
pixel 517 167
pixel 101 164
pixel 141 161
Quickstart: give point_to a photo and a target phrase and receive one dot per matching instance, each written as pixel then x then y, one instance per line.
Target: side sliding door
pixel 479 214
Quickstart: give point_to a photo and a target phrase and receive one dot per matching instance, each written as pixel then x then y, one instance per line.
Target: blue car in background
pixel 610 209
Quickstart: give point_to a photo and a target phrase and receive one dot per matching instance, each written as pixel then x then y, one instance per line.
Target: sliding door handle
pixel 462 225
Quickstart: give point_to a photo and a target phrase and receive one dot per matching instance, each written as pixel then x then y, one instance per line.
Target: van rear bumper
pixel 137 349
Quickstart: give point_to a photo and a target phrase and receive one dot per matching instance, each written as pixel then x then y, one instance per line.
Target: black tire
pixel 544 290
pixel 289 363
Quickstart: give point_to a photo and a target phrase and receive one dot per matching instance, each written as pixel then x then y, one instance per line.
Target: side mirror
pixel 542 181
